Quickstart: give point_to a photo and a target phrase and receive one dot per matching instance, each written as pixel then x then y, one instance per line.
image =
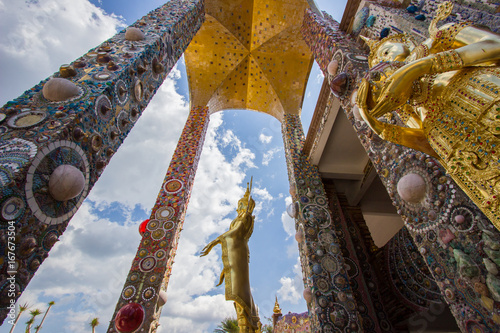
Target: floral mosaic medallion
pixel 317 215
pixel 173 186
pixel 47 209
pixel 14 154
pixel 12 208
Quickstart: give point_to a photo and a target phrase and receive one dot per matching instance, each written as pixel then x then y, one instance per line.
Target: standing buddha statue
pixel 235 258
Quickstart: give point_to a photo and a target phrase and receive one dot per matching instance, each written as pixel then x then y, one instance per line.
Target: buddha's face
pixel 390 51
pixel 242 207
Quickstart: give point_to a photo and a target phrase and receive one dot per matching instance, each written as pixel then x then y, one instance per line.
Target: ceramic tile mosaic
pixel 455 239
pixel 332 305
pixel 151 267
pixel 293 323
pixel 107 90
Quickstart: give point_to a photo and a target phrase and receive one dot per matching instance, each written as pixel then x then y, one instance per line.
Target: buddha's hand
pixel 362 102
pixel 362 95
pixel 371 109
pixel 398 88
pixel 395 91
pixel 206 250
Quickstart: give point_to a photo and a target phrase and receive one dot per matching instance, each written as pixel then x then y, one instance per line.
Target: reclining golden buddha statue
pixel 446 91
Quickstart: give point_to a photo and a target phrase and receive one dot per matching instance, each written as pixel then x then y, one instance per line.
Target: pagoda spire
pixel 276 313
pixel 277 309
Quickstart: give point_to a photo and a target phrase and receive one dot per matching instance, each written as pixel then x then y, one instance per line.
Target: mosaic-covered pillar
pixel 328 293
pixel 57 138
pixel 365 284
pixel 144 292
pixel 458 242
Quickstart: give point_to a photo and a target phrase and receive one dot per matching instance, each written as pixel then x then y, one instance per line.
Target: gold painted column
pixel 144 291
pixel 327 290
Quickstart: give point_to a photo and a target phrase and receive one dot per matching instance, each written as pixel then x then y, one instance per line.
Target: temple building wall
pixel 454 237
pixel 373 17
pixel 293 323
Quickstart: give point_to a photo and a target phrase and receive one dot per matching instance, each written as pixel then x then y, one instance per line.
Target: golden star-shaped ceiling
pixel 249 54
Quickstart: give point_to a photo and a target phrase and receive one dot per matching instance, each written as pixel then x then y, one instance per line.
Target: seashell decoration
pixel 134 34
pixel 66 182
pixel 59 89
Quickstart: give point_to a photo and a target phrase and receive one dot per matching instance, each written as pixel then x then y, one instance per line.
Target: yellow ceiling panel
pixel 235 15
pixel 232 93
pixel 250 54
pixel 261 95
pixel 272 17
pixel 212 60
pixel 286 61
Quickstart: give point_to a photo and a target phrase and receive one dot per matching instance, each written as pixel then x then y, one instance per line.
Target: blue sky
pixel 85 271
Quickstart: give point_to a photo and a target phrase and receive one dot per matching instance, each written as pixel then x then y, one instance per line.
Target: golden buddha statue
pixel 446 91
pixel 235 257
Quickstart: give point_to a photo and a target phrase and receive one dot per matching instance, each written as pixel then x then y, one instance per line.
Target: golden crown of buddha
pixel 246 202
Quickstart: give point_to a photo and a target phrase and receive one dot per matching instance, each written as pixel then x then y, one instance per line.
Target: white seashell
pixel 291 210
pixel 356 114
pixel 412 188
pixel 66 182
pixel 333 66
pixel 59 89
pixel 134 34
pixel 490 266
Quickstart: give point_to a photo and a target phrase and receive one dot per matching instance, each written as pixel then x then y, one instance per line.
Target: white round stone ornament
pixel 412 188
pixel 299 236
pixel 333 66
pixel 134 34
pixel 307 295
pixel 66 182
pixel 59 89
pixel 162 299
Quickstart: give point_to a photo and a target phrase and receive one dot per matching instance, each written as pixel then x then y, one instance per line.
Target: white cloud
pixel 268 156
pixel 286 220
pixel 292 250
pixel 87 267
pixel 197 316
pixel 320 77
pixel 265 138
pixel 292 286
pixel 38 37
pixel 263 194
pixel 264 201
pixel 230 138
pixel 148 149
